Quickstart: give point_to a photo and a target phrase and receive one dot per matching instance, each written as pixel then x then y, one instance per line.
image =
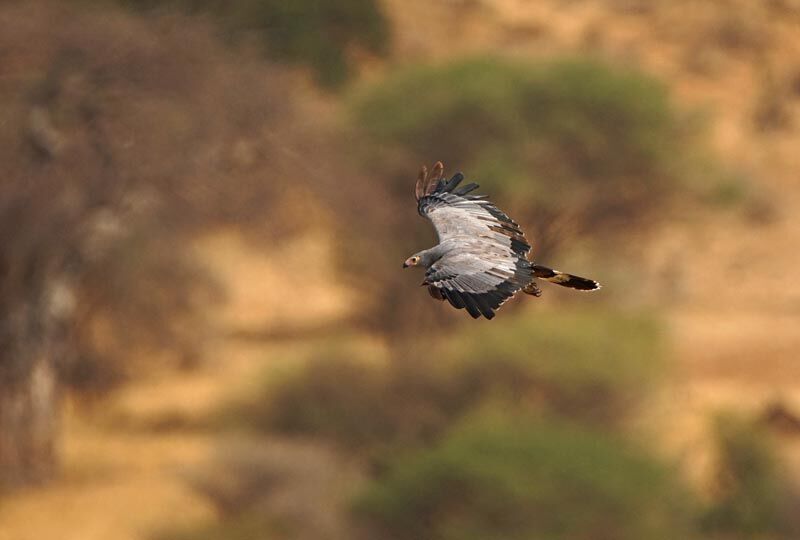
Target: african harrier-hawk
pixel 481 258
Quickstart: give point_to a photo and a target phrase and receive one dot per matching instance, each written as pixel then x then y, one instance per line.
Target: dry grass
pixel 297 489
pixel 269 290
pixel 113 485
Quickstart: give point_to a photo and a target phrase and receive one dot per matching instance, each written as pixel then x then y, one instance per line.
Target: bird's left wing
pixel 477 282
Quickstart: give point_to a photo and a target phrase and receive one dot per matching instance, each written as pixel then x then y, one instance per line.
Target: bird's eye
pixel 416 260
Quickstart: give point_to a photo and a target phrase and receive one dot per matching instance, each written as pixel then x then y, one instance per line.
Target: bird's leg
pixel 532 289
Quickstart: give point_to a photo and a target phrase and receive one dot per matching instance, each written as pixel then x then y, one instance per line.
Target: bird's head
pixel 414 260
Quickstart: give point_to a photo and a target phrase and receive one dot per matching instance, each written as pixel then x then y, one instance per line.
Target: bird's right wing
pixel 455 214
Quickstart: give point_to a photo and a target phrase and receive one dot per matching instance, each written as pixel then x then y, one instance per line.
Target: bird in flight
pixel 481 258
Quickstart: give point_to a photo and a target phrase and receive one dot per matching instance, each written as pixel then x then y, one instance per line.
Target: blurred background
pixel 205 332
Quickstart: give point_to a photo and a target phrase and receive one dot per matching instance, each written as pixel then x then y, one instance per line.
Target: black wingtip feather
pixel 454 298
pixel 520 248
pixel 483 305
pixel 472 307
pixel 453 183
pixel 463 190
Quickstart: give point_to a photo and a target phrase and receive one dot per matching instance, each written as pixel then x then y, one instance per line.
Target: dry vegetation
pixel 154 175
pixel 123 140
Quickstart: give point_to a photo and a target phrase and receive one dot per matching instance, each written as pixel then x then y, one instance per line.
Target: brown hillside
pixel 725 276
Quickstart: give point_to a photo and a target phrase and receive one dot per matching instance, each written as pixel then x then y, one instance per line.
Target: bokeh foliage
pixel 590 366
pixel 263 488
pixel 753 498
pixel 318 33
pixel 99 200
pixel 515 431
pixel 123 140
pixel 485 432
pixel 601 143
pixel 514 478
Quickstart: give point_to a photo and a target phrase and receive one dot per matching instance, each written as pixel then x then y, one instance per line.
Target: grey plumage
pixel 481 258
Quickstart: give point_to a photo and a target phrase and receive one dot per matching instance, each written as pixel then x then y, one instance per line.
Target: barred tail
pixel 565 280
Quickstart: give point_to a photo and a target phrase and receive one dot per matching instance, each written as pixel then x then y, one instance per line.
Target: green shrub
pixel 246 527
pixel 269 488
pixel 569 134
pixel 753 499
pixel 496 477
pixel 589 366
pixel 360 405
pixel 318 33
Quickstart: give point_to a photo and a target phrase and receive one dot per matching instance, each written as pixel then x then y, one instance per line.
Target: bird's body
pixel 481 258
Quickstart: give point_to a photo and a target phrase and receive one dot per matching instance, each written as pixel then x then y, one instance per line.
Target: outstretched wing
pixel 487 261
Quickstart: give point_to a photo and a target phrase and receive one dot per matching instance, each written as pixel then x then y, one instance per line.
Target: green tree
pixel 573 139
pixel 318 33
pixel 515 478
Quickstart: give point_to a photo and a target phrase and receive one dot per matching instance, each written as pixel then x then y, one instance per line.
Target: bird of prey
pixel 481 258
